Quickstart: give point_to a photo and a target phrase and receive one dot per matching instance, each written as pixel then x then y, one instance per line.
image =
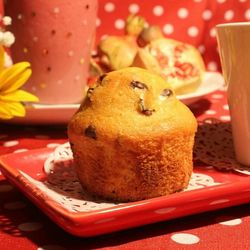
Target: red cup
pixel 56 38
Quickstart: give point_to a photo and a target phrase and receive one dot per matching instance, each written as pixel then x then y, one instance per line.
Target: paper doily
pixel 63 186
pixel 214 146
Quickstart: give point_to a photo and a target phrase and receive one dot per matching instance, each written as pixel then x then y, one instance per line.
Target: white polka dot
pixel 41 136
pixel 5 188
pixel 207 14
pixel 212 32
pixel 168 28
pixel 10 143
pixel 84 22
pixel 218 201
pixel 3 136
pixel 133 8
pixel 56 10
pixel 35 39
pixel 109 7
pixel 30 226
pixel 59 82
pixel 202 49
pixel 198 1
pixel 229 15
pixel 247 14
pixel 226 107
pixel 182 13
pixel 210 112
pixel 185 238
pixel 225 118
pixel 193 31
pixel 34 88
pixel 104 220
pixel 242 1
pixel 70 53
pixel 212 66
pixel 77 78
pixel 221 1
pixel 217 96
pixel 51 247
pixel 119 24
pixel 98 22
pixel 14 205
pixel 232 222
pixel 20 150
pixel 165 210
pixel 158 10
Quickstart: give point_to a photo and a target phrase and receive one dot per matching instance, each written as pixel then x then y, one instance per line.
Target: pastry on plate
pixel 132 139
pixel 179 63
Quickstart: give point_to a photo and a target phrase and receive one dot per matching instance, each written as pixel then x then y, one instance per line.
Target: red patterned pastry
pixel 179 63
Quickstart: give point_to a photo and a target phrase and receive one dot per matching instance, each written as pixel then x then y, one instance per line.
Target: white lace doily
pixel 62 184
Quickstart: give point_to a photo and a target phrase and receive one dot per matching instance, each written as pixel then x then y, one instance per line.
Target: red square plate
pixel 47 178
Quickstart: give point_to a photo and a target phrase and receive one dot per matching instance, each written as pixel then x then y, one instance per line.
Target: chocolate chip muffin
pixel 131 138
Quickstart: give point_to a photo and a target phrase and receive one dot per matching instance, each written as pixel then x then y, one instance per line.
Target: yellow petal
pixel 5 113
pixel 2 58
pixel 18 96
pixel 15 108
pixel 14 77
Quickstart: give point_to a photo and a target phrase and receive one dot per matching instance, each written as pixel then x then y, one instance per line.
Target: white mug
pixel 234 47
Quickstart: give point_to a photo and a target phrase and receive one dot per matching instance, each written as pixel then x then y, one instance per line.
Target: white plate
pixel 61 113
pixel 212 82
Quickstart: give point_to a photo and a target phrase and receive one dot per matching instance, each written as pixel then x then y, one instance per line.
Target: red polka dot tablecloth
pixel 24 226
pixel 191 21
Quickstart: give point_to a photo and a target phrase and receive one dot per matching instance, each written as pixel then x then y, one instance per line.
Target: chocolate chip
pixel 87 6
pixel 167 92
pixel 138 85
pixel 148 112
pixel 53 32
pixel 90 131
pixel 33 13
pixel 144 110
pixel 102 77
pixel 90 91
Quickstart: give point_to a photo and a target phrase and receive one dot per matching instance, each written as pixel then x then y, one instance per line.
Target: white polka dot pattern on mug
pixel 185 238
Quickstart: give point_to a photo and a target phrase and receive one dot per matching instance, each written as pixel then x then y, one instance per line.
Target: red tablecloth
pixel 23 226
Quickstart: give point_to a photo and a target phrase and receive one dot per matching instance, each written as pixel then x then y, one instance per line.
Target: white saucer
pixel 41 114
pixel 61 113
pixel 212 81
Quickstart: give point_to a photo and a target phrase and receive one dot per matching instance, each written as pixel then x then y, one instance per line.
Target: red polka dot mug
pixel 56 38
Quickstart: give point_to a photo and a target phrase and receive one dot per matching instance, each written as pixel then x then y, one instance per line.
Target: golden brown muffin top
pixel 132 101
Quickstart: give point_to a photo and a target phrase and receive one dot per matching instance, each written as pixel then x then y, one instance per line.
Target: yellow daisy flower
pixel 11 97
